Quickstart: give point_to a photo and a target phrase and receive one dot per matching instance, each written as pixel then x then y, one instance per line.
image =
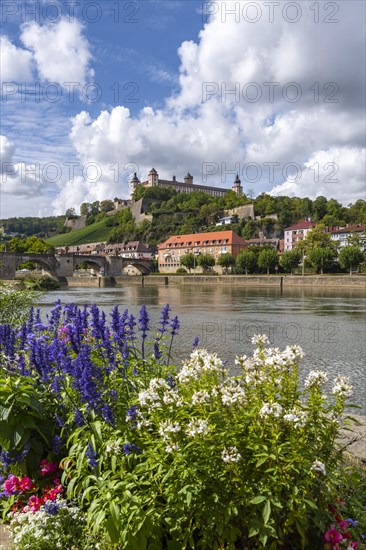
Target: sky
pixel 92 91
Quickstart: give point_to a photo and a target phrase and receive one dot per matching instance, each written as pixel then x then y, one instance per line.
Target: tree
pixel 188 261
pixel 249 230
pixel 267 259
pixel 290 259
pixel 71 213
pixel 106 205
pixel 318 237
pixel 206 261
pixel 320 208
pixel 350 257
pixel 321 257
pixel 246 261
pixel 226 260
pixel 85 208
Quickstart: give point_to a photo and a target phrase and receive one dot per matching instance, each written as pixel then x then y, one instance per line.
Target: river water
pixel 330 325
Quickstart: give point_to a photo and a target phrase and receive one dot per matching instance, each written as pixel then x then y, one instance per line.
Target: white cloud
pixel 16 63
pixel 17 178
pixel 340 168
pixel 60 50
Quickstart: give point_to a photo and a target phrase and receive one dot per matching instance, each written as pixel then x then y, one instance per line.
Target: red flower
pixel 332 535
pixel 48 467
pixel 34 503
pixel 11 485
pixel 25 484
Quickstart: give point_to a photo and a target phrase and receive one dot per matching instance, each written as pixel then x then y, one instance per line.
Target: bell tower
pixel 237 186
pixel 152 178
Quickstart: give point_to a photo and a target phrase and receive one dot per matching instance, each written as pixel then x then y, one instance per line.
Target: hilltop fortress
pixel 185 186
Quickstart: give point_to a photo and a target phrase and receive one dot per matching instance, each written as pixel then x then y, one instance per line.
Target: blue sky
pixel 163 74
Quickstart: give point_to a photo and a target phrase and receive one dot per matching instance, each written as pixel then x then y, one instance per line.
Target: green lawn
pixel 96 232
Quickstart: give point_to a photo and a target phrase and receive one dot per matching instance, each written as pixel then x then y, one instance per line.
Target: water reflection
pixel 329 324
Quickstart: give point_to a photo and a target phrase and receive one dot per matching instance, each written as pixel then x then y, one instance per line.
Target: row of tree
pixel 317 250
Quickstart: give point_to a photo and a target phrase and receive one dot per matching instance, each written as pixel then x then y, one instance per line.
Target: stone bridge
pixel 62 266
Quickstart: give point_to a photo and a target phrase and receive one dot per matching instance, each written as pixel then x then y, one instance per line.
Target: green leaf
pixel 257 500
pixel 266 511
pixel 253 531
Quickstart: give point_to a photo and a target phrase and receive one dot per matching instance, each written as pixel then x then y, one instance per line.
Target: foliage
pixel 31 245
pixel 97 232
pixel 35 282
pixel 351 257
pixel 181 271
pixel 226 260
pixel 40 227
pixel 206 262
pixel 246 261
pixel 267 259
pixel 318 238
pixel 321 258
pixel 188 260
pixel 14 304
pixel 290 259
pixel 165 457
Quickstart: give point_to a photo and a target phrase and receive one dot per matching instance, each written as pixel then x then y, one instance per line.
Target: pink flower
pixel 354 545
pixel 332 535
pixel 48 467
pixel 25 484
pixel 11 485
pixel 34 503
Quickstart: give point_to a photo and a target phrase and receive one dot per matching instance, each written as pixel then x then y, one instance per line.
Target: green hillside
pixel 96 232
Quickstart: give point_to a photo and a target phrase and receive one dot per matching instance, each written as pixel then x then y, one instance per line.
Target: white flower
pixel 230 454
pixel 201 396
pixel 167 428
pixel 197 427
pixel 143 423
pixel 270 409
pixel 318 466
pixel 199 363
pixel 295 417
pixel 232 394
pixel 170 448
pixel 172 397
pixel 342 387
pixel 113 447
pixel 316 378
pixel 260 339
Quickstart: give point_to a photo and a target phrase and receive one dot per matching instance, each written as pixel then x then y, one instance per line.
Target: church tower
pixel 237 187
pixel 188 179
pixel 135 181
pixel 152 178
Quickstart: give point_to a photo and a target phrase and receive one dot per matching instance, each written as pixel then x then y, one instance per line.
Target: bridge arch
pixel 142 267
pixel 41 262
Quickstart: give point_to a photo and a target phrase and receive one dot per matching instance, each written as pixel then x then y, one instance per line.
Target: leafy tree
pixel 350 257
pixel 267 259
pixel 226 260
pixel 320 208
pixel 206 261
pixel 106 206
pixel 290 259
pixel 188 260
pixel 71 213
pixel 85 208
pixel 246 261
pixel 321 257
pixel 249 230
pixel 318 237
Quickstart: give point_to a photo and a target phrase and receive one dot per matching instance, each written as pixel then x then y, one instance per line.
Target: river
pixel 330 325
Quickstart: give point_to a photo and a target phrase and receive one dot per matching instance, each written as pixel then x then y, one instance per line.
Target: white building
pixel 341 235
pixel 296 233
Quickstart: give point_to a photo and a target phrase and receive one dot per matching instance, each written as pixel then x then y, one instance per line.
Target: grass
pixel 96 232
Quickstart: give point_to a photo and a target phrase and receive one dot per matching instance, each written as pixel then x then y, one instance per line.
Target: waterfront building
pixel 342 234
pixel 295 233
pixel 185 186
pixel 214 243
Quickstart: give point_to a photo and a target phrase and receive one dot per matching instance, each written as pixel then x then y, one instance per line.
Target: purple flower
pixel 195 342
pixel 157 352
pixel 353 522
pixel 175 326
pixel 79 418
pixel 57 444
pixel 52 507
pixel 131 413
pixel 92 456
pixel 130 448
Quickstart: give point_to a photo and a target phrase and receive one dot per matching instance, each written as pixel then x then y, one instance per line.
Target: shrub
pixel 181 271
pixel 165 457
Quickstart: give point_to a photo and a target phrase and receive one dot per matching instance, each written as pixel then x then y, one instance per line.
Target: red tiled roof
pixel 350 229
pixel 230 236
pixel 300 225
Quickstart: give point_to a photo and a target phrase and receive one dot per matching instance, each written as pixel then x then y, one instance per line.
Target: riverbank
pixel 277 281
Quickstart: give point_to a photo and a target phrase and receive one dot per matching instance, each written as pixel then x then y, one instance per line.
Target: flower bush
pixel 158 456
